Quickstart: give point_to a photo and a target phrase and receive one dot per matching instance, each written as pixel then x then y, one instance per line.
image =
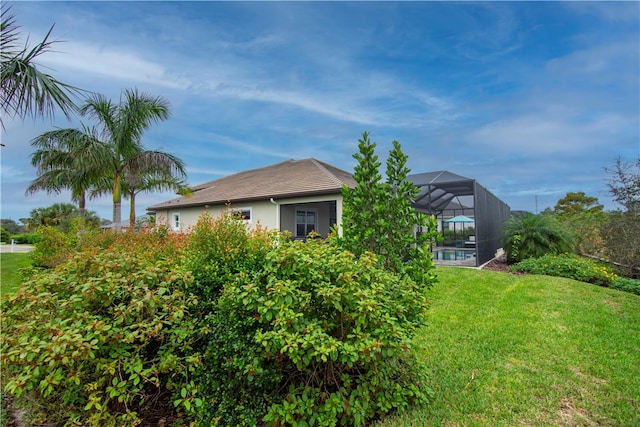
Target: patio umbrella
pixel 457 219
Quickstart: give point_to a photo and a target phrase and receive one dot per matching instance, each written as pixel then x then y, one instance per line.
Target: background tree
pixel 11 226
pixel 67 159
pixel 26 90
pixel 621 231
pixel 576 204
pixel 60 216
pixel 583 216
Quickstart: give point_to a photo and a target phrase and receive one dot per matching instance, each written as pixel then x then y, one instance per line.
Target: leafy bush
pixel 5 237
pixel 220 251
pixel 569 266
pixel 626 284
pixel 532 236
pixel 101 338
pixel 26 238
pixel 301 332
pixel 52 247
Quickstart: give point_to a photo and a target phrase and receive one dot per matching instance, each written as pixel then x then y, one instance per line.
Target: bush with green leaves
pixel 570 266
pixel 52 247
pixel 5 237
pixel 219 251
pixel 103 337
pixel 298 332
pixel 25 238
pixel 626 284
pixel 532 236
pixel 314 336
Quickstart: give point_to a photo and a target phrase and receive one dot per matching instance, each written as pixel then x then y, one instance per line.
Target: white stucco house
pixel 295 195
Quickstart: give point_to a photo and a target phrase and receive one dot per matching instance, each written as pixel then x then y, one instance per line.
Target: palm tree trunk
pixel 82 204
pixel 117 203
pixel 132 209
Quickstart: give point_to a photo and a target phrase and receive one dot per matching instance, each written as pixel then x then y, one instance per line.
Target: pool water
pixel 454 254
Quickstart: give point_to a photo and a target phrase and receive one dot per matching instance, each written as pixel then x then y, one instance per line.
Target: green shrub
pixel 52 248
pixel 626 284
pixel 532 236
pixel 5 237
pixel 569 266
pixel 26 238
pixel 102 338
pixel 314 334
pixel 220 251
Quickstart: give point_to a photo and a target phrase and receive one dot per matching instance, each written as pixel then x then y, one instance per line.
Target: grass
pixel 10 263
pixel 509 350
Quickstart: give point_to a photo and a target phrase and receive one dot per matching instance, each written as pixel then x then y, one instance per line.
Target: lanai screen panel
pixel 491 214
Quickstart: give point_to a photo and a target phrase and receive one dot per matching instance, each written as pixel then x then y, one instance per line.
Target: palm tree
pixel 67 159
pixel 99 159
pixel 25 89
pixel 122 127
pixel 149 182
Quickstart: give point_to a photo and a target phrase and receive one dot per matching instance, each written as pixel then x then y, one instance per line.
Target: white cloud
pixel 111 63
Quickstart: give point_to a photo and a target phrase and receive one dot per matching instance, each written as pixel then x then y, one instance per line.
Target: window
pixel 305 222
pixel 175 221
pixel 243 214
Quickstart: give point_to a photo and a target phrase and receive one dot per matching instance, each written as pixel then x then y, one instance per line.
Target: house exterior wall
pixel 277 214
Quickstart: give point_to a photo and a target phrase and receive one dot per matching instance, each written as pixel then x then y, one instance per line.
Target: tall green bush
pixel 532 236
pixel 378 217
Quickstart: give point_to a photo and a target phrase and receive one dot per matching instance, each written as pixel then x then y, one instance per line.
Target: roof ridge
pixel 322 166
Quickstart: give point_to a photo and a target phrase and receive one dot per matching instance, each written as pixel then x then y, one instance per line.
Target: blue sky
pixel 532 100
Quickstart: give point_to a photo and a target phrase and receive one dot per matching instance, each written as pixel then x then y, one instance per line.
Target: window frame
pixel 241 211
pixel 176 221
pixel 306 211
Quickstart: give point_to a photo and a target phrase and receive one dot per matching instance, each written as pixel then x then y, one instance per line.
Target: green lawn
pixel 9 265
pixel 511 350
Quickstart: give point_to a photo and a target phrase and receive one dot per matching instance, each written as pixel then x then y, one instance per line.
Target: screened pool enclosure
pixel 451 198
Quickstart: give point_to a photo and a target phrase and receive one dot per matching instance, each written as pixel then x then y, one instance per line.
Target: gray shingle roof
pixel 291 178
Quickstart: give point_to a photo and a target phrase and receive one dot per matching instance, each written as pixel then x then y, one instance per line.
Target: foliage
pixel 26 238
pixel 583 216
pixel 11 226
pixel 51 249
pixel 624 184
pixel 103 337
pixel 318 336
pixel 5 237
pixel 568 265
pixel 61 216
pixel 621 231
pixel 219 251
pixel 26 90
pixel 117 144
pixel 532 236
pixel 378 217
pixel 575 204
pixel 300 332
pixel 626 284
